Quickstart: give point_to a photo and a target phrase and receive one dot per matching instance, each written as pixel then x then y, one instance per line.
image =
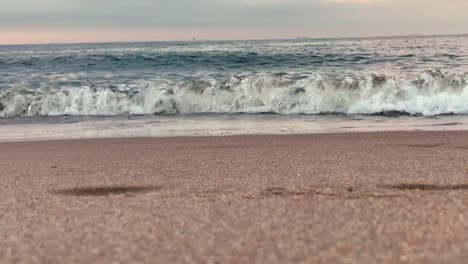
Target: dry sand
pixel 398 197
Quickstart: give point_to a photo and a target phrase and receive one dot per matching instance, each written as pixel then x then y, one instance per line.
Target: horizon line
pixel 260 39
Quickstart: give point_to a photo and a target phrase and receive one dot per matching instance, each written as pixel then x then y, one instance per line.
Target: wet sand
pixel 393 197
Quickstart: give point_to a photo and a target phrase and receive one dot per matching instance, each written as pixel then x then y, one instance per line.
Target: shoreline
pixel 392 197
pixel 62 128
pixel 224 135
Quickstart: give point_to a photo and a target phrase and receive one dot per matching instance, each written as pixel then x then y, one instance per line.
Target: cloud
pixel 259 3
pixel 351 1
pixel 237 18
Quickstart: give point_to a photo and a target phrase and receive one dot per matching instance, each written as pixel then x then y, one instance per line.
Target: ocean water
pixel 415 76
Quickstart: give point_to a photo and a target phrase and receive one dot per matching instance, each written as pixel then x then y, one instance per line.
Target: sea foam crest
pixel 430 93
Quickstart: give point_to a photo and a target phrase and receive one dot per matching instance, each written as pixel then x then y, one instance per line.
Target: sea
pixel 234 87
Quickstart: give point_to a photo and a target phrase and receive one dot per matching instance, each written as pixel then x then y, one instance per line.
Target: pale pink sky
pixel 59 21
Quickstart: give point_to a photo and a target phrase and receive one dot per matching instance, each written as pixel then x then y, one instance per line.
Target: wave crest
pixel 430 93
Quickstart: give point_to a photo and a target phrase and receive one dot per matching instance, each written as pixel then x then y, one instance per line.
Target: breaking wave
pixel 430 93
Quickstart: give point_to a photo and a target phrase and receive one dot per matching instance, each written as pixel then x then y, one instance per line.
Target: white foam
pixel 430 93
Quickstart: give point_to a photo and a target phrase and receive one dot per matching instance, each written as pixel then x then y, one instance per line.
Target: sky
pixel 63 21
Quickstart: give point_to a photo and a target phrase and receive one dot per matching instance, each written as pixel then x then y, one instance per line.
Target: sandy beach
pixel 390 197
